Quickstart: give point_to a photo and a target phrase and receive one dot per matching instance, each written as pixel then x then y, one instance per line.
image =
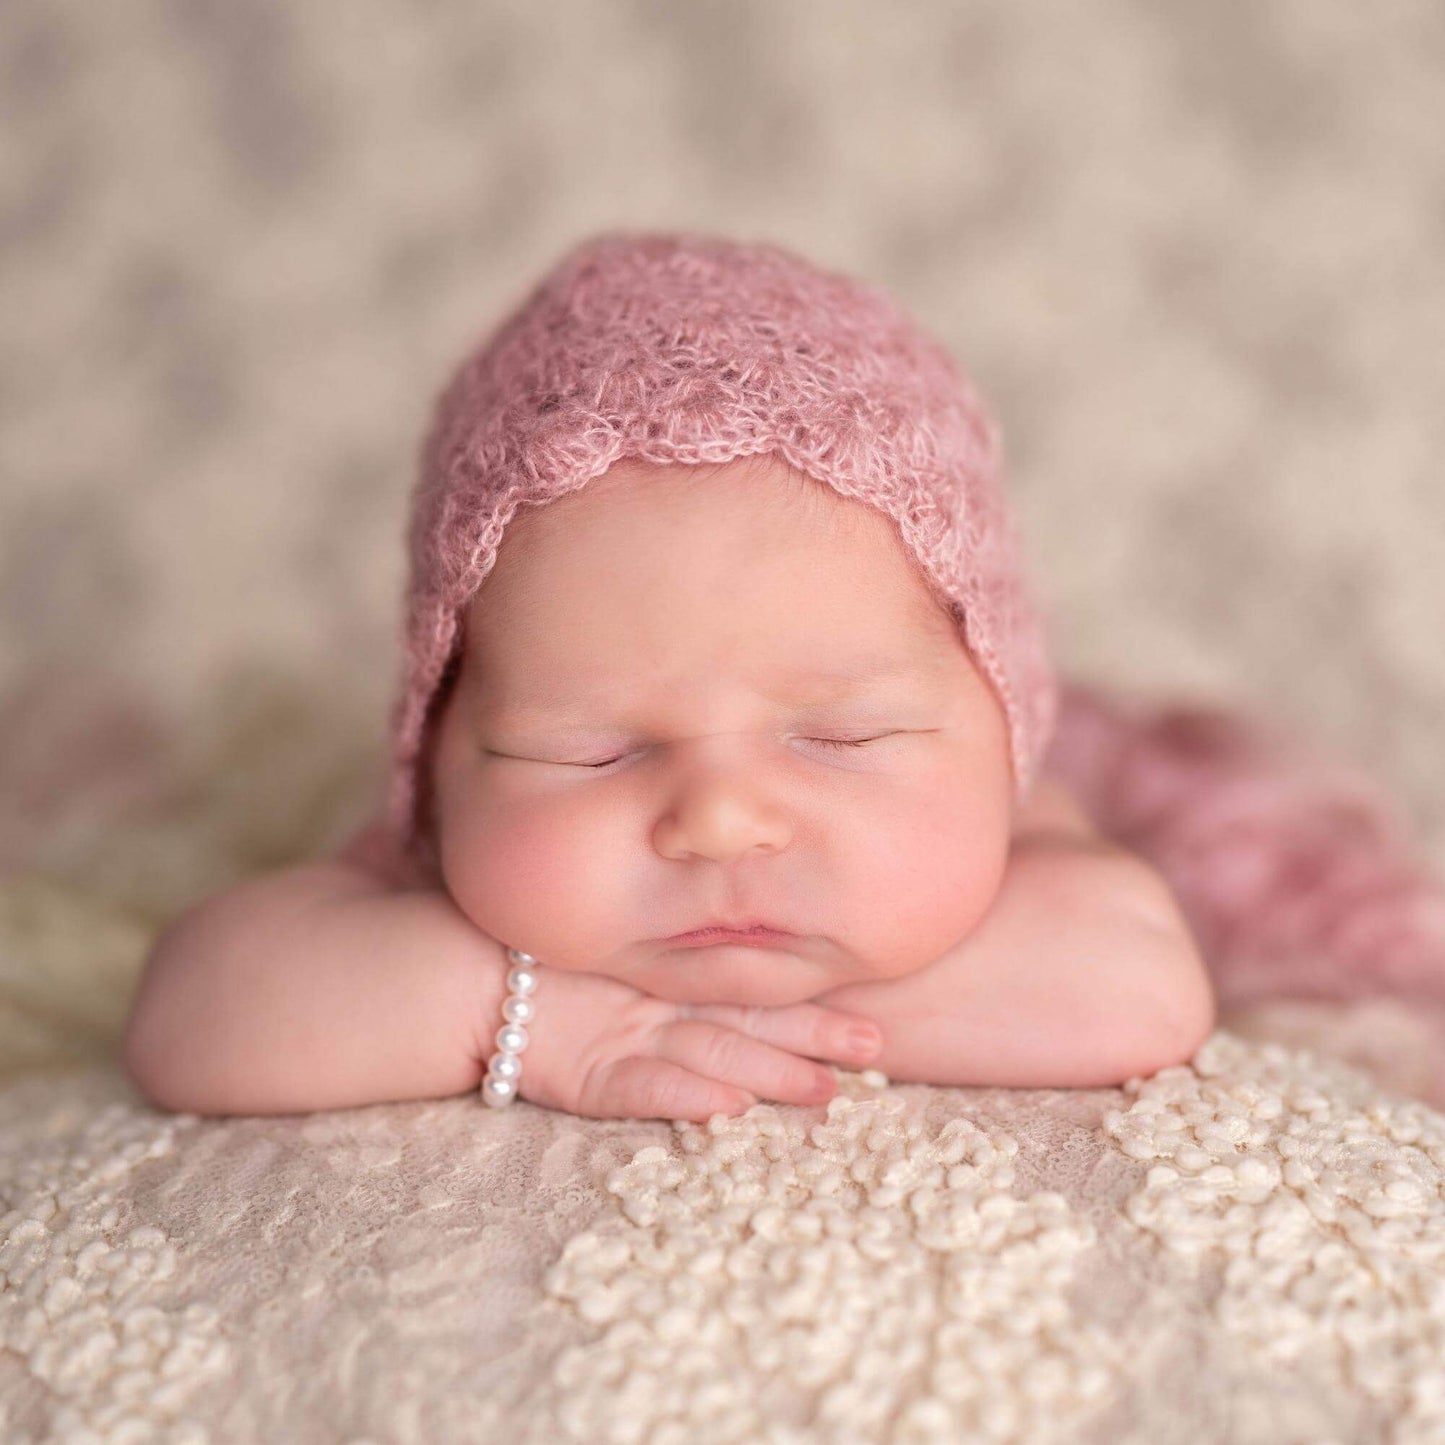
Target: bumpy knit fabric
pixel 688 349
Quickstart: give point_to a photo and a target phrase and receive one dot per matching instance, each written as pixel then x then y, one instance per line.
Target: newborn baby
pixel 685 696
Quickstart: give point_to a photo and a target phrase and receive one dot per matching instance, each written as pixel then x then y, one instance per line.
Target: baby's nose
pixel 722 809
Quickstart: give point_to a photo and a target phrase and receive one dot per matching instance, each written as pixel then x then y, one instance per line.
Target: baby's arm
pixel 321 986
pixel 350 981
pixel 1082 974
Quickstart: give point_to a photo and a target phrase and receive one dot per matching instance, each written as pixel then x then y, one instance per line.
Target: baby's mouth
pixel 758 935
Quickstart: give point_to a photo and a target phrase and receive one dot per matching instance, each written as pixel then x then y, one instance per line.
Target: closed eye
pixel 824 742
pixel 849 743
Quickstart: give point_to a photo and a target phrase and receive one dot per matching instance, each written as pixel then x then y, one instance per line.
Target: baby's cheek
pixel 923 882
pixel 531 878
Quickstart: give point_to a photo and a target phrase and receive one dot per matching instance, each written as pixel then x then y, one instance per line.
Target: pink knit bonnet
pixel 685 349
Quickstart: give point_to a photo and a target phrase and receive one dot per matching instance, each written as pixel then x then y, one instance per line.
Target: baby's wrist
pixel 502 1083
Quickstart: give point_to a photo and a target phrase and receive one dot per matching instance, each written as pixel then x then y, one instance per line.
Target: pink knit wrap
pixel 689 349
pixel 1296 871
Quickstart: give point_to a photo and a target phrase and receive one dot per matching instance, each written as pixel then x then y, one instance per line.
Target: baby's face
pixel 694 695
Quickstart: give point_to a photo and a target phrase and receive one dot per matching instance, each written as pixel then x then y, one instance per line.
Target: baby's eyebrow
pixel 855 667
pixel 850 677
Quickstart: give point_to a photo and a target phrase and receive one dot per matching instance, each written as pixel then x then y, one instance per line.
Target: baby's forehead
pixel 740 510
pixel 793 661
pixel 712 495
pixel 752 543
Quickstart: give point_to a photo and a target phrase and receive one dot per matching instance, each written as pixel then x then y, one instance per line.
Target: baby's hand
pixel 606 1050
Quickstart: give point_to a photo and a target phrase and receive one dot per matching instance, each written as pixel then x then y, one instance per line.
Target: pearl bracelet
pixel 504 1069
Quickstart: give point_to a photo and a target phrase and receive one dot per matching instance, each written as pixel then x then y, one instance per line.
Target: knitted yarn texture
pixel 686 349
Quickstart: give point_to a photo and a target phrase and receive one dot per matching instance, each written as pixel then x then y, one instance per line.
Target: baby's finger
pixel 810 1029
pixel 725 1054
pixel 640 1087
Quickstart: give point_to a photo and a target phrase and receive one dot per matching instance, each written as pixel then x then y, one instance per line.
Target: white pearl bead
pixel 519 1010
pixel 504 1070
pixel 504 1066
pixel 512 1038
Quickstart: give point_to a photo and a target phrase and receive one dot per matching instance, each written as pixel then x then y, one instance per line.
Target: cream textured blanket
pixel 1251 1248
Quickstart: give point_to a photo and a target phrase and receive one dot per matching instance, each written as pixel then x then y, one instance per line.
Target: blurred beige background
pixel 1194 253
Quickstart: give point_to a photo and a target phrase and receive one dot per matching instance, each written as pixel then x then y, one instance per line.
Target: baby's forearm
pixel 1080 976
pixel 314 988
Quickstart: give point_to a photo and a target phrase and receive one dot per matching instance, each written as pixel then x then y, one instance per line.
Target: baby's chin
pixel 734 973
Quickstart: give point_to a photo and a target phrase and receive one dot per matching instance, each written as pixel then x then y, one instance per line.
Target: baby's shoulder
pixel 1051 808
pixel 375 850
